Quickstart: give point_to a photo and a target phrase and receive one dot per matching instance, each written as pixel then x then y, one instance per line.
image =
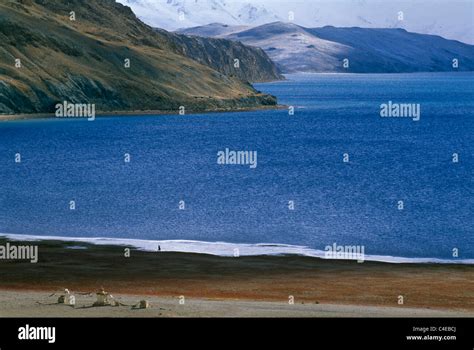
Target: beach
pixel 37 304
pixel 191 285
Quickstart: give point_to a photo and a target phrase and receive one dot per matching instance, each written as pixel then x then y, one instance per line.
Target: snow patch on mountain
pixel 447 18
pixel 175 14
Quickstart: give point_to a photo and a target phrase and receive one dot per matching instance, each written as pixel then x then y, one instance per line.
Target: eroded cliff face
pixel 99 52
pixel 229 57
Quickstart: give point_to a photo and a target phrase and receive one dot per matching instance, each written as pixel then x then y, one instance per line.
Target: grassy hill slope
pixel 83 61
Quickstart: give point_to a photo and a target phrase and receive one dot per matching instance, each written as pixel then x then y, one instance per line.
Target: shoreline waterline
pixel 225 249
pixel 151 113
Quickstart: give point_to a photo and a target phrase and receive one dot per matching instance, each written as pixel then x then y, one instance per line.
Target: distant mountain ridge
pixel 449 19
pixel 82 61
pixel 175 14
pixel 368 50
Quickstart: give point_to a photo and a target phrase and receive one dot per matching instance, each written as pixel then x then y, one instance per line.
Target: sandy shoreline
pixel 39 304
pixel 263 283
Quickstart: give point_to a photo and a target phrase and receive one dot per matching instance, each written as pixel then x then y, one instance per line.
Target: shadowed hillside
pixel 255 65
pixel 83 61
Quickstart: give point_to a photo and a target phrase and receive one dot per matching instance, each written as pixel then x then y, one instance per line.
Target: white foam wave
pixel 225 249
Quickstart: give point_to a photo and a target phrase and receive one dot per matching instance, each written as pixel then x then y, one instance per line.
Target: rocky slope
pixel 298 49
pixel 83 61
pixel 254 65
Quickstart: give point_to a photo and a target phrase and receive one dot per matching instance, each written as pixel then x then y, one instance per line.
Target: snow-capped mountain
pixel 447 18
pixel 175 14
pixel 370 50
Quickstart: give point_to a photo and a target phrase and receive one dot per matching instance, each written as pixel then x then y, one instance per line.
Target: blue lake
pixel 300 159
